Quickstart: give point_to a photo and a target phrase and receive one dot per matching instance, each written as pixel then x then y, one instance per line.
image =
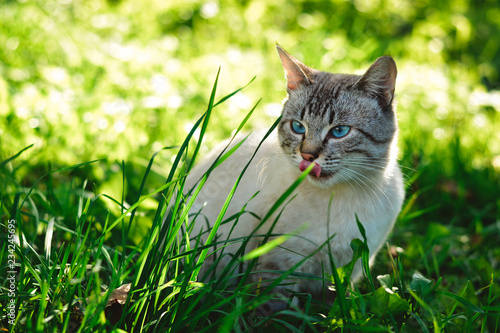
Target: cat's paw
pixel 271 307
pixel 281 300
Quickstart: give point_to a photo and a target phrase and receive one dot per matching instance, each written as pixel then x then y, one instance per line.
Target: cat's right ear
pixel 297 74
pixel 380 79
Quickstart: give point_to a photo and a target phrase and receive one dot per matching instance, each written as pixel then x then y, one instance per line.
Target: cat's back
pixel 266 173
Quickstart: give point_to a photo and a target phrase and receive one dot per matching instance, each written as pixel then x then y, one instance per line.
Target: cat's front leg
pixel 284 274
pixel 282 294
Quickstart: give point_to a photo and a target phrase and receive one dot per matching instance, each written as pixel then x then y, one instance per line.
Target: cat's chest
pixel 322 212
pixel 314 209
pixel 271 174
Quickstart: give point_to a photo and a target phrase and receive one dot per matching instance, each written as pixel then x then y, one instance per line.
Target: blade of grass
pixel 365 258
pixel 225 98
pixel 263 296
pixel 222 157
pixel 44 289
pixel 463 301
pixel 66 168
pixel 427 308
pixel 49 232
pixel 143 182
pixel 333 266
pixel 157 219
pixel 135 205
pixel 170 231
pixel 420 322
pixel 13 157
pixel 230 196
pixel 268 246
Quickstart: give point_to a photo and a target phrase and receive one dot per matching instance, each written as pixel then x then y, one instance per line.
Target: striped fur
pixel 322 101
pixel 359 171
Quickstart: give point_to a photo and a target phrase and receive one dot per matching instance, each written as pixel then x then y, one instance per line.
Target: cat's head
pixel 345 124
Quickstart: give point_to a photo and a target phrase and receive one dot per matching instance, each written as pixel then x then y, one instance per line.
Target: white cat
pixel 346 126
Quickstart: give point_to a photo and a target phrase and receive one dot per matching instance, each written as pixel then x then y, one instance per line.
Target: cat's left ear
pixel 380 79
pixel 297 74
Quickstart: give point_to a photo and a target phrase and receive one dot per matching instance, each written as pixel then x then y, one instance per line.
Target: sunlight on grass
pixel 122 84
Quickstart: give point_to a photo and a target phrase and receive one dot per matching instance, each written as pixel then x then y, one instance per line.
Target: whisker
pixel 408 168
pixel 371 159
pixel 374 159
pixel 367 165
pixel 376 185
pixel 346 180
pixel 360 182
pixel 406 178
pixel 375 165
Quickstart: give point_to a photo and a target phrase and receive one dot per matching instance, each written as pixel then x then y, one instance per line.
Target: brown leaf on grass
pixel 119 295
pixel 116 300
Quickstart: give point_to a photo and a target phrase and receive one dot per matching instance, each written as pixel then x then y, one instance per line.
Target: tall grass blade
pixel 143 182
pixel 205 122
pixel 339 288
pixel 463 301
pixel 428 309
pixel 420 322
pixel 13 157
pixel 49 232
pixel 268 246
pixel 230 196
pixel 365 258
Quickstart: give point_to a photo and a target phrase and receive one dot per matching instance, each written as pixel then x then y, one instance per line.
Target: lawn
pixel 105 105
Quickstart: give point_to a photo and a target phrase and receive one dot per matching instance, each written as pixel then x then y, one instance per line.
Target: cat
pixel 346 127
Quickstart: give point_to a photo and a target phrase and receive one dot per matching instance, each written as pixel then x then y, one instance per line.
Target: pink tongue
pixel 316 170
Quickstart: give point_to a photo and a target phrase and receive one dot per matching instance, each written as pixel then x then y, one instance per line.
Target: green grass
pixel 102 114
pixel 67 269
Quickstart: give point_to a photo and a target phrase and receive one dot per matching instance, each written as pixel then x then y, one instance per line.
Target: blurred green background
pixel 118 80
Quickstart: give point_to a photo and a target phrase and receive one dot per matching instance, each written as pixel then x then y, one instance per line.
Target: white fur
pixel 272 172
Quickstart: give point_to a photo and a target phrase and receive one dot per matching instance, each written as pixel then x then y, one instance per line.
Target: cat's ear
pixel 297 74
pixel 380 79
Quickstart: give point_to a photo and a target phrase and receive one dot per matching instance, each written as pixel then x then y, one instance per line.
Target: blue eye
pixel 298 127
pixel 340 131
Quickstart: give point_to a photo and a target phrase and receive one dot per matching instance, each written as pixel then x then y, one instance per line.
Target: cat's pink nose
pixel 308 157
